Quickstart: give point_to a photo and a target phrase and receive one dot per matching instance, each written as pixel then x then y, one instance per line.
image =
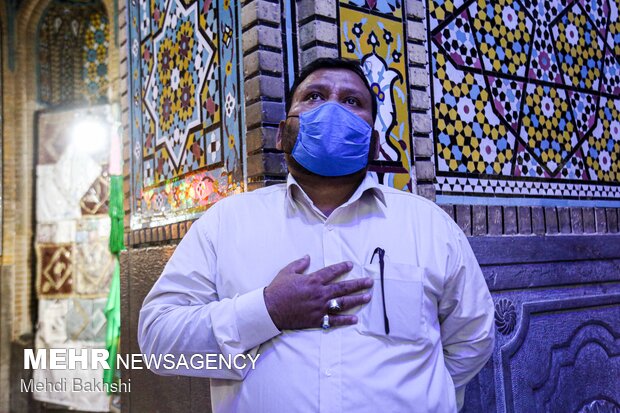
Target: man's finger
pixel 350 301
pixel 331 272
pixel 342 288
pixel 300 265
pixel 342 320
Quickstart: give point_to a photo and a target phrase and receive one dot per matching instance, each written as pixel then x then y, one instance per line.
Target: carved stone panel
pixel 557 324
pixel 565 356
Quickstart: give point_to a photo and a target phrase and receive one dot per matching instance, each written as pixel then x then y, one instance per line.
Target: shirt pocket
pixel 403 292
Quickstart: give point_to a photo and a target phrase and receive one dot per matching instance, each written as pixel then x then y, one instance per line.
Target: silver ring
pixel 334 306
pixel 326 322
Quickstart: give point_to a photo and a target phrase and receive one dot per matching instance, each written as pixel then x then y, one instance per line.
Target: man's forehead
pixel 329 77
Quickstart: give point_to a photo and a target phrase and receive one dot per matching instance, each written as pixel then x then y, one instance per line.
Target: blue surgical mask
pixel 332 141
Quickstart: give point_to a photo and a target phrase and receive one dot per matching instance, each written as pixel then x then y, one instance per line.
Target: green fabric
pixel 113 316
pixel 117 214
pixel 113 306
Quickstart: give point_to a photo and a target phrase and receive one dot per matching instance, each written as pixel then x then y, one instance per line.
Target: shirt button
pixel 330 227
pixel 328 373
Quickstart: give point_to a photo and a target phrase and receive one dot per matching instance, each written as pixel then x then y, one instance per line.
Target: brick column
pixel 263 70
pixel 419 88
pixel 318 30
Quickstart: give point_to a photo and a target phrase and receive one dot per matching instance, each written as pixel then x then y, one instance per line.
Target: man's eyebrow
pixel 323 86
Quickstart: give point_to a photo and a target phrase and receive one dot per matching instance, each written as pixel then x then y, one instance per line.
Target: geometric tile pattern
pixel 602 147
pixel 579 49
pixel 73 261
pixel 86 320
pixel 52 323
pixel 55 270
pixel 95 200
pixel 73 41
pixel 91 229
pixel 526 98
pixel 95 58
pixel 94 265
pixel 59 232
pixel 61 186
pixel 74 265
pixel 186 140
pixel 372 32
pixel 73 226
pixel 476 186
pixel 547 109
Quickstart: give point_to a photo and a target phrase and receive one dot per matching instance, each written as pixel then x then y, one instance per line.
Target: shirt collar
pixel 295 193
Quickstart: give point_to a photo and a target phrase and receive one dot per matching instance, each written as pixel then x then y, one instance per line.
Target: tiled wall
pixel 188 146
pixel 79 74
pixel 269 60
pixel 413 110
pixel 525 102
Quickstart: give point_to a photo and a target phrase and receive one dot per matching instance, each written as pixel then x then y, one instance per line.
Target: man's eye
pixel 314 96
pixel 352 101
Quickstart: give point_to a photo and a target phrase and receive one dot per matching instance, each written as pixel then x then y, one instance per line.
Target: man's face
pixel 325 85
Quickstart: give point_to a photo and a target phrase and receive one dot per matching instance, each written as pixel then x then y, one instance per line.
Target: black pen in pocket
pixel 381 252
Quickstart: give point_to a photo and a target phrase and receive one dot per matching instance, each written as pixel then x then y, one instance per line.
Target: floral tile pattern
pixel 372 32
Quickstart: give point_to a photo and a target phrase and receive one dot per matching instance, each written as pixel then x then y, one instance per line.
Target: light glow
pixel 90 135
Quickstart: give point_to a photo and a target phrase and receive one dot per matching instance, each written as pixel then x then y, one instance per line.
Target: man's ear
pixel 279 135
pixel 374 142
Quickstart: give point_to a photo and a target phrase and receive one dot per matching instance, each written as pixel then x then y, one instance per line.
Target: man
pixel 357 297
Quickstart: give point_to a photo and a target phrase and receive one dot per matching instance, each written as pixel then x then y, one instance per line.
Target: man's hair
pixel 332 63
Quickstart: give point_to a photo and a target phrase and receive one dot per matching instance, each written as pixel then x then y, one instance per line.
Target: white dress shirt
pixel 209 299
